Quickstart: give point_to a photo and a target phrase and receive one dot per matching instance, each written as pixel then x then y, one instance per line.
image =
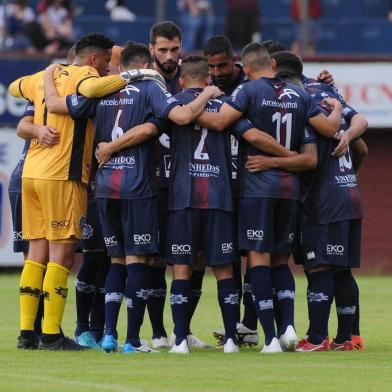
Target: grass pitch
pixel 210 370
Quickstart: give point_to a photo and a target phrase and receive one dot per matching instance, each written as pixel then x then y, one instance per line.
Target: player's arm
pixel 359 152
pixel 24 87
pixel 47 136
pixel 219 121
pixel 358 125
pixel 328 126
pixel 306 160
pixel 95 87
pixel 184 114
pixel 15 88
pixel 53 101
pixel 132 137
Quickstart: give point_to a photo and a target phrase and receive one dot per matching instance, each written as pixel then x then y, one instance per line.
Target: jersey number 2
pixel 199 154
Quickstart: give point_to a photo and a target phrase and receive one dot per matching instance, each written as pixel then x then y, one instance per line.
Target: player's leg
pixel 109 211
pixel 348 236
pixel 140 233
pixel 220 255
pixel 94 256
pixel 286 220
pixel 157 285
pixel 182 247
pixel 97 310
pixel 255 235
pixel 321 289
pixel 65 204
pixel 32 276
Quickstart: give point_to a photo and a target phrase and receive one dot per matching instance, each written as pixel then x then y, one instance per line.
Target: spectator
pixel 57 21
pixel 119 12
pixel 18 27
pixel 242 22
pixel 197 22
pixel 305 31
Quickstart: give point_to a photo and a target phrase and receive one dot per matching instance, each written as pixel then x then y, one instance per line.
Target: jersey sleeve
pixel 161 100
pixel 162 125
pixel 309 136
pixel 240 127
pixel 99 87
pixel 311 108
pixel 29 109
pixel 348 112
pixel 24 87
pixel 80 107
pixel 239 100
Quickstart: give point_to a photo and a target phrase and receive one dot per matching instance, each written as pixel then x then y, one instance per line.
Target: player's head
pixel 256 59
pixel 194 72
pixel 165 45
pixel 71 54
pixel 273 46
pixel 221 60
pixel 94 49
pixel 288 66
pixel 135 55
pixel 114 64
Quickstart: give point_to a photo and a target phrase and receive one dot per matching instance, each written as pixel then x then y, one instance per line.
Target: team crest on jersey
pixel 288 92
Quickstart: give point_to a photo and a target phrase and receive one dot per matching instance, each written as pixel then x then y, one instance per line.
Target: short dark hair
pixel 287 63
pixel 135 54
pixel 218 44
pixel 93 41
pixel 273 46
pixel 166 29
pixel 256 56
pixel 71 54
pixel 194 67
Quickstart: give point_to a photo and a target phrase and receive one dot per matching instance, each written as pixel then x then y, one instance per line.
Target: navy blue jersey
pixel 162 148
pixel 201 162
pixel 333 193
pixel 15 184
pixel 129 174
pixel 282 110
pixel 242 78
pixel 313 86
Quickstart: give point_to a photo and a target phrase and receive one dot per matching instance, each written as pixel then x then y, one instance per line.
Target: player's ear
pixel 182 83
pixel 273 64
pixel 151 48
pixel 235 57
pixel 147 66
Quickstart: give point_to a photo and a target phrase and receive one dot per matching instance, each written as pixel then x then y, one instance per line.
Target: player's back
pixel 70 159
pixel 333 193
pixel 201 163
pixel 282 110
pixel 130 173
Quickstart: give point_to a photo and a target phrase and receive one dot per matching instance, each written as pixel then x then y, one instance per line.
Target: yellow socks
pixel 55 296
pixel 30 291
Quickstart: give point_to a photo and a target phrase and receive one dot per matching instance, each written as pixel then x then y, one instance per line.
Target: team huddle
pixel 141 160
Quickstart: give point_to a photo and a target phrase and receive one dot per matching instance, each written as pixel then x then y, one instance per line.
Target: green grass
pixel 249 370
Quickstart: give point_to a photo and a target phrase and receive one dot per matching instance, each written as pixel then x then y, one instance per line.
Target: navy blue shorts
pixel 129 227
pixel 92 237
pixel 267 224
pixel 18 243
pixel 194 230
pixel 163 217
pixel 336 244
pixel 297 250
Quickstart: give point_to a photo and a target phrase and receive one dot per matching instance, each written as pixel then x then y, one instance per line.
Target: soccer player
pixel 90 282
pixel 228 74
pixel 54 191
pixel 165 48
pixel 282 110
pixel 125 185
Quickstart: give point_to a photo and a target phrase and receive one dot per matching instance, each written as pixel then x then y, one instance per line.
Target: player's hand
pixel 50 69
pixel 258 163
pixel 342 147
pixel 326 77
pixel 213 91
pixel 103 153
pixel 48 136
pixel 333 102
